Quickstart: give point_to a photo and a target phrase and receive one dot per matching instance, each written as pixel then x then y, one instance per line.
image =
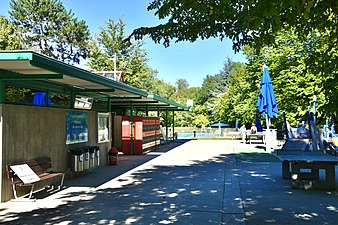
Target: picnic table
pixel 256 136
pixel 300 162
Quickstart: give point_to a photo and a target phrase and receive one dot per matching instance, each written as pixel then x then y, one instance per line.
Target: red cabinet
pixel 137 135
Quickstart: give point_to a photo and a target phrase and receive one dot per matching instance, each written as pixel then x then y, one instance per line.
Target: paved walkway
pixel 199 182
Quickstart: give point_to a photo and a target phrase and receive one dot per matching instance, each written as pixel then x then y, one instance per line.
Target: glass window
pixel 30 96
pixel 19 95
pixel 83 102
pixel 100 106
pixel 59 100
pixel 103 127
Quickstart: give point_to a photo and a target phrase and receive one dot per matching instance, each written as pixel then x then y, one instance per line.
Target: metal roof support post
pixel 173 134
pixel 158 112
pixel 72 100
pixel 166 125
pixel 47 97
pixel 2 100
pixel 2 92
pixel 131 129
pixel 109 105
pixel 147 112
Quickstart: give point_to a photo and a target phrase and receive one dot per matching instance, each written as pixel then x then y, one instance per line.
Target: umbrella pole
pixel 267 134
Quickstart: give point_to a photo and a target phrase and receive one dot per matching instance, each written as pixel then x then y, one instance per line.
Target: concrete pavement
pixel 199 182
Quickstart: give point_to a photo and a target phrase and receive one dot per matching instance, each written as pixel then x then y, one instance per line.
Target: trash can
pixel 97 156
pixel 76 159
pixel 91 150
pixel 85 158
pixel 112 156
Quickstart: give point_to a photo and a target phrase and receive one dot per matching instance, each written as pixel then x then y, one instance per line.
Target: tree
pixel 49 28
pixel 181 85
pixel 213 88
pixel 239 99
pixel 293 81
pixel 161 88
pixel 130 57
pixel 9 37
pixel 252 23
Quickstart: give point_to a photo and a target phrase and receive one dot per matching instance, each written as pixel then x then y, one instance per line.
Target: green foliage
pixel 182 85
pixel 297 74
pixel 47 27
pixel 294 82
pixel 181 95
pixel 239 101
pixel 9 37
pixel 16 94
pixel 252 23
pixel 297 40
pixel 213 90
pixel 130 57
pixel 159 87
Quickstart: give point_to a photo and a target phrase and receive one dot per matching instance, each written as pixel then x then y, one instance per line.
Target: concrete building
pixel 48 107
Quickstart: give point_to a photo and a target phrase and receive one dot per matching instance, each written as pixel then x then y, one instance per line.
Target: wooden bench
pixel 298 161
pixel 257 136
pixel 234 135
pixel 40 167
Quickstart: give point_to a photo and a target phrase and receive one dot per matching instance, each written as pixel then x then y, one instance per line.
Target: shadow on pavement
pixel 216 190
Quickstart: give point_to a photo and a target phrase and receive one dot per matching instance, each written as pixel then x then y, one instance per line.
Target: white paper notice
pixel 25 173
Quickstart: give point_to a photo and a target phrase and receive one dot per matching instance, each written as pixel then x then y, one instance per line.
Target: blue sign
pixel 76 127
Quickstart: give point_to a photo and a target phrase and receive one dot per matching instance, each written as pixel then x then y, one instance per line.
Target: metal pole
pixel 166 125
pixel 173 134
pixel 267 134
pixel 72 100
pixel 2 92
pixel 115 67
pixel 314 109
pixel 109 105
pixel 131 130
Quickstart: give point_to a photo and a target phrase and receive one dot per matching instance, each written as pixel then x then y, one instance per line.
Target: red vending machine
pixel 137 135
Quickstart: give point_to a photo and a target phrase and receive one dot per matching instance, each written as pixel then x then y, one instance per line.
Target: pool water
pixel 191 135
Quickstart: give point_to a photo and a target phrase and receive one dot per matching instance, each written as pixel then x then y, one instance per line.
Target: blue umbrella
pixel 258 124
pixel 220 125
pixel 266 103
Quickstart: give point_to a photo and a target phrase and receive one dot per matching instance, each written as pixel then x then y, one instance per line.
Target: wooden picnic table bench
pixel 256 136
pixel 311 161
pixel 234 135
pixel 36 170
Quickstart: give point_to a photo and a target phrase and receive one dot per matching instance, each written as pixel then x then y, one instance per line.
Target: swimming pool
pixel 191 135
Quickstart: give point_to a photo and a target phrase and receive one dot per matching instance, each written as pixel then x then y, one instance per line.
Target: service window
pixel 103 127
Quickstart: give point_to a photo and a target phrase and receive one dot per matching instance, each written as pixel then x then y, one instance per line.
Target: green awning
pixel 35 70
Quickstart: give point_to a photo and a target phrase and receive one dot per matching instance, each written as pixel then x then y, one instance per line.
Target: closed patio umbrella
pixel 266 103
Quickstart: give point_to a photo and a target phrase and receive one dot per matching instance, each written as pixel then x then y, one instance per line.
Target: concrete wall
pixel 30 132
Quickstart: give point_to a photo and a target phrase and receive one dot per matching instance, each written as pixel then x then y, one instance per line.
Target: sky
pixel 183 60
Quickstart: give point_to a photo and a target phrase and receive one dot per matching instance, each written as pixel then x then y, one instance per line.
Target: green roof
pixel 36 70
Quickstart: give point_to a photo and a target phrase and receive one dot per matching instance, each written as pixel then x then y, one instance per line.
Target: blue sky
pixel 190 61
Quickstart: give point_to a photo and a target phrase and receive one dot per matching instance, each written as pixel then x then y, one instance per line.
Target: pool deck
pixel 198 182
